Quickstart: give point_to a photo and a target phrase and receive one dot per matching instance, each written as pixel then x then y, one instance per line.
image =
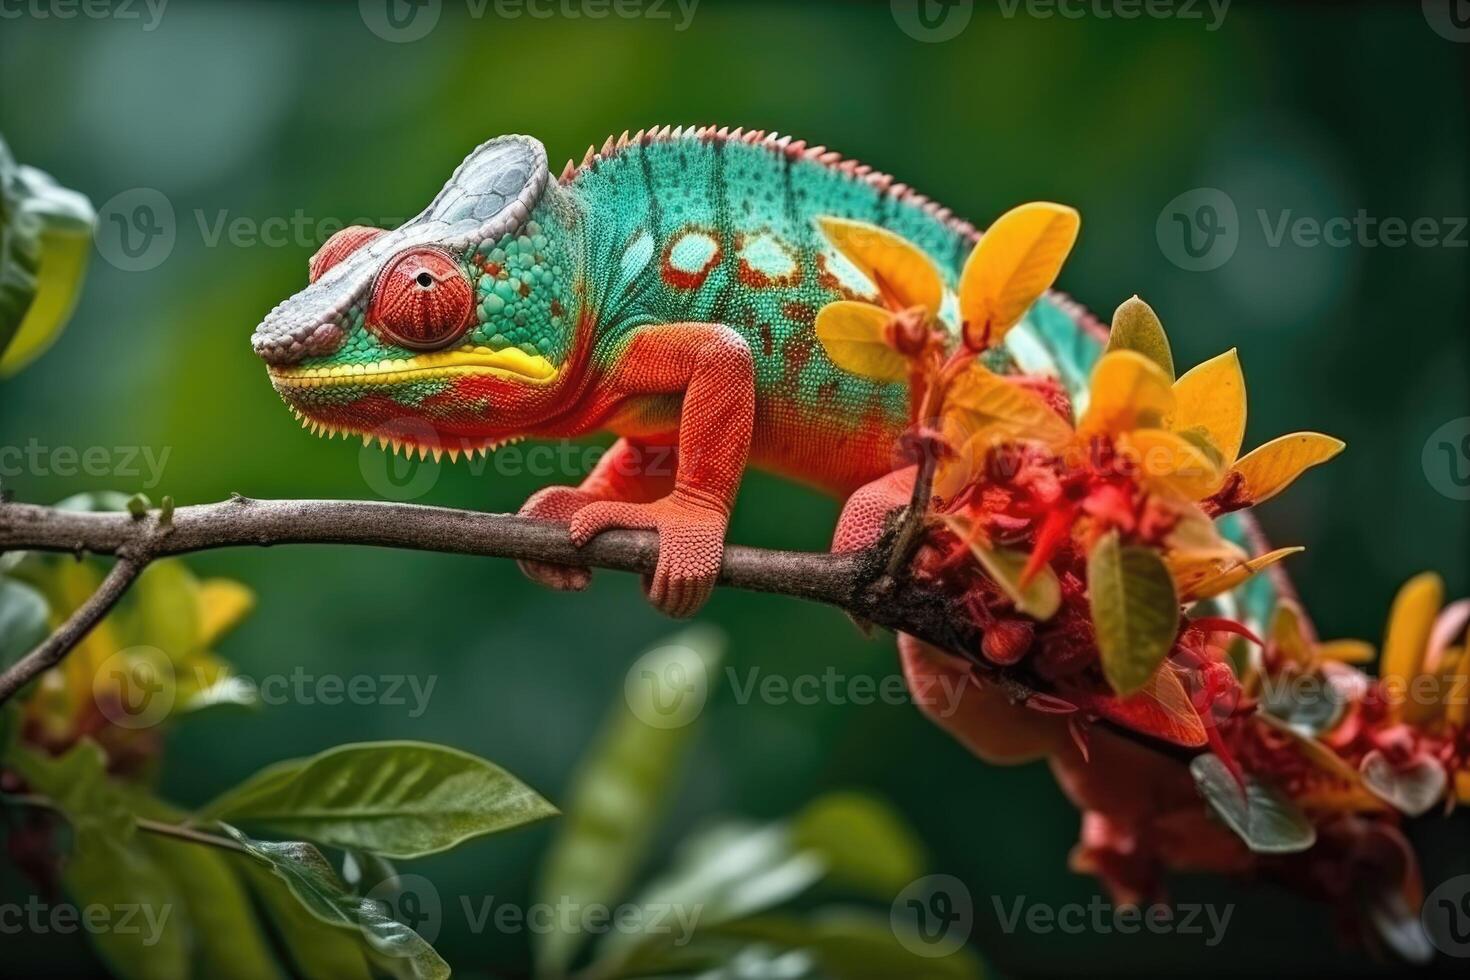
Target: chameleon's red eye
pixel 338 247
pixel 421 299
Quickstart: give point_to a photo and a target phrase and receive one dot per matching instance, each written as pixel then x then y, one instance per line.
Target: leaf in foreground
pixel 617 795
pixel 396 799
pixel 392 946
pixel 1134 609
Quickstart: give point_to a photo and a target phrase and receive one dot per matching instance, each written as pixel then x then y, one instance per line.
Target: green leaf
pixel 20 252
pixel 45 242
pixel 722 874
pixel 1264 818
pixel 109 866
pixel 396 799
pixel 864 843
pixel 1040 598
pixel 620 789
pixel 23 620
pixel 1307 703
pixel 229 943
pixel 363 871
pixel 1136 327
pixel 318 951
pixel 1135 611
pixel 1412 789
pixel 389 944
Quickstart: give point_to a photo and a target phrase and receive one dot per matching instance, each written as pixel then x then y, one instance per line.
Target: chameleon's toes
pixel 691 543
pixel 556 504
pixel 563 578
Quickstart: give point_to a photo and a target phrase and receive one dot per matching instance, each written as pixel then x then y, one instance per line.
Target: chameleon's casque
pixel 665 289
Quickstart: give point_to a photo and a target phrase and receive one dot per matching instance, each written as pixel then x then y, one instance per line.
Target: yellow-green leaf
pixel 1017 260
pixel 1210 400
pixel 1136 327
pixel 855 337
pixel 1268 469
pixel 981 405
pixel 904 275
pixel 1040 598
pixel 222 604
pixel 1168 463
pixel 1135 611
pixel 1203 582
pixel 1128 391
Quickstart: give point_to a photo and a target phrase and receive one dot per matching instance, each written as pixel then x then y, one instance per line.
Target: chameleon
pixel 664 289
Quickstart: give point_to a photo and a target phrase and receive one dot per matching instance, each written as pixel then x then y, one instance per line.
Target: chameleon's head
pixel 454 327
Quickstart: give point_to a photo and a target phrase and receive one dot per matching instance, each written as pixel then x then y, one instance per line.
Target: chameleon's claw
pixel 691 544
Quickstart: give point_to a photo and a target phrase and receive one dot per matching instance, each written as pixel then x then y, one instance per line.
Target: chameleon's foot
pixel 691 542
pixel 556 504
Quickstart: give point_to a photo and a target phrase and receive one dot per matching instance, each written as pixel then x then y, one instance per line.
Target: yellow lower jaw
pixel 511 363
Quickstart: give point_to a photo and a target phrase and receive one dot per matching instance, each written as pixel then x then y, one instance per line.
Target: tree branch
pixel 856 582
pixel 56 646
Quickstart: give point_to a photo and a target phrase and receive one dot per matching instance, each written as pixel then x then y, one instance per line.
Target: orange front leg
pixel 633 469
pixel 711 366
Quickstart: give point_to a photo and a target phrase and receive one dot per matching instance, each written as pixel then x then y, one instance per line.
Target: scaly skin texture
pixel 664 290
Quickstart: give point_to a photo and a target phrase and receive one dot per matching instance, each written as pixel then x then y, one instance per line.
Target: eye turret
pixel 421 299
pixel 338 247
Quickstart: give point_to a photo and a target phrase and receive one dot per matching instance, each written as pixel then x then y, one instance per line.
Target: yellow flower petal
pixel 855 337
pixel 1346 651
pixel 1137 327
pixel 222 604
pixel 1195 583
pixel 1170 464
pixel 1267 470
pixel 1409 623
pixel 904 275
pixel 1210 400
pixel 1462 787
pixel 982 407
pixel 1017 260
pixel 1128 391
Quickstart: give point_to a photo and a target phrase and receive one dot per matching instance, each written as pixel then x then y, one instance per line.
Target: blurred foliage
pixel 295 112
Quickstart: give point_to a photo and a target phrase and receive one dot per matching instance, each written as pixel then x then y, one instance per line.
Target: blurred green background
pixel 296 112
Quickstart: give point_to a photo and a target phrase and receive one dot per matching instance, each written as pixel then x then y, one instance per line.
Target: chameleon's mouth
pixel 510 363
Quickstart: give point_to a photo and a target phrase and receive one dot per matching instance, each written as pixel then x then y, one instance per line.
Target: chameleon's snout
pixel 290 334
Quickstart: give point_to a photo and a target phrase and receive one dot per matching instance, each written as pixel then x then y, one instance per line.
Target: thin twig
pixel 56 646
pixel 189 834
pixel 143 823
